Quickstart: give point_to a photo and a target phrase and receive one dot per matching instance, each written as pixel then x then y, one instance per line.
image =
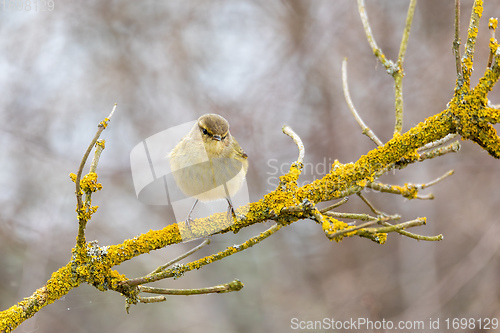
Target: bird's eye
pixel 205 131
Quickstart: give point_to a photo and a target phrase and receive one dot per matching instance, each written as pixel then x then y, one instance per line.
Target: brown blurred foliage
pixel 260 64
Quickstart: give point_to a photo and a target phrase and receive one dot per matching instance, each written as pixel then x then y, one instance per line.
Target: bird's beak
pixel 217 137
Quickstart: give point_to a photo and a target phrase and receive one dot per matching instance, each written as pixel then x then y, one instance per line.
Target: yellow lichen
pixel 478 8
pixel 89 183
pixel 104 123
pixel 409 191
pixel 467 64
pixel 101 143
pixel 493 23
pixel 493 45
pixel 85 214
pixel 331 226
pixel 381 238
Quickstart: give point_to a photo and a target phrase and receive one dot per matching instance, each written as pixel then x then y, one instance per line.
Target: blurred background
pixel 260 64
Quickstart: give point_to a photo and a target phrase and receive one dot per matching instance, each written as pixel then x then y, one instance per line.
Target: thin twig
pixel 368 203
pixel 406 33
pixel 388 64
pixel 364 225
pixel 80 240
pixel 352 216
pixel 398 101
pixel 409 191
pixel 435 181
pixel 402 232
pixel 82 165
pixel 365 130
pixel 416 236
pixel 152 299
pixel 335 205
pixel 306 208
pixel 440 142
pixel 288 131
pixel 179 258
pixel 397 227
pixel 395 70
pixel 439 151
pixel 223 288
pixel 456 43
pixel 399 73
pixel 99 147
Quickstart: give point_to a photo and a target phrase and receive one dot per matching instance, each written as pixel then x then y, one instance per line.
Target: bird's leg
pixel 189 219
pixel 231 213
pixel 230 209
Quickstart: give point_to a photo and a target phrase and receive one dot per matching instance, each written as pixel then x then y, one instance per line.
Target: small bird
pixel 208 163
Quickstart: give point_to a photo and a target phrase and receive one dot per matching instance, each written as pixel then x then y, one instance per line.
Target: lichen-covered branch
pixel 492 25
pixel 84 214
pixel 470 44
pixel 59 284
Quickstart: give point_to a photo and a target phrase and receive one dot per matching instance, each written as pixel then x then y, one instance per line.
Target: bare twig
pixel 388 64
pixel 416 236
pixel 368 203
pixel 435 181
pixel 152 299
pixel 288 131
pixel 456 43
pixel 99 147
pixel 409 191
pixel 395 70
pixel 365 130
pixel 234 285
pixel 179 258
pixel 357 216
pixel 397 227
pixel 444 140
pixel 406 33
pixel 335 205
pixel 398 75
pixel 402 232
